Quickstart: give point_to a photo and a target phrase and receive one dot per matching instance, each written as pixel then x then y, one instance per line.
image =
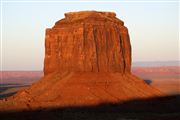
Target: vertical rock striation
pixel 88 41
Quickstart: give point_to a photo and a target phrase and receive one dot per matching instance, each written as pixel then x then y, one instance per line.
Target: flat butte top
pixel 91 17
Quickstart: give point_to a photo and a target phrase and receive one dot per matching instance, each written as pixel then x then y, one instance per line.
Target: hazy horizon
pixel 134 64
pixel 153 30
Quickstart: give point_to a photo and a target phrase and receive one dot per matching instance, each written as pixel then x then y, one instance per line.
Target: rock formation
pixel 88 42
pixel 87 62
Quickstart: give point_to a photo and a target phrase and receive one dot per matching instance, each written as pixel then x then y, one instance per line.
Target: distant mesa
pixel 87 62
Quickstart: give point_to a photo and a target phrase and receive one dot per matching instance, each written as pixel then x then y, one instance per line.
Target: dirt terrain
pixel 166 79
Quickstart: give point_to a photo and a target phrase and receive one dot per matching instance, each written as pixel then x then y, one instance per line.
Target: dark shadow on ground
pixel 6 87
pixel 6 84
pixel 147 81
pixel 2 96
pixel 161 108
pixel 9 87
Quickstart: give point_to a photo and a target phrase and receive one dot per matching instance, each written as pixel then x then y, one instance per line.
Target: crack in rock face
pixel 88 41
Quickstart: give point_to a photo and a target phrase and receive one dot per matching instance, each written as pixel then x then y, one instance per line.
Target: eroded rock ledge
pixel 88 41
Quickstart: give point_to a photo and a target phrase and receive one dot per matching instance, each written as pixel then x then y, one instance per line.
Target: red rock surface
pixel 88 42
pixel 87 62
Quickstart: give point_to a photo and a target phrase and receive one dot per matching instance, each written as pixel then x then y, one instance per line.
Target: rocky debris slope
pixel 87 62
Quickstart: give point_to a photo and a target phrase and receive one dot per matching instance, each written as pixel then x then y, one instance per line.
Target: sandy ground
pixel 166 79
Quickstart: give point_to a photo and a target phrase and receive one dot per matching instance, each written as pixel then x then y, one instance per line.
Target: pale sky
pixel 153 29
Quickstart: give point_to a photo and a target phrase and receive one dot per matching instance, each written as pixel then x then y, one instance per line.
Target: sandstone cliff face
pixel 87 62
pixel 88 42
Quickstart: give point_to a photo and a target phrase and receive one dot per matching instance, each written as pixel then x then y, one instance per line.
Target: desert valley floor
pixel 166 79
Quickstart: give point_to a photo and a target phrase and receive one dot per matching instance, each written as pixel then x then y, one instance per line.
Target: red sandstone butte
pixel 88 42
pixel 87 62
